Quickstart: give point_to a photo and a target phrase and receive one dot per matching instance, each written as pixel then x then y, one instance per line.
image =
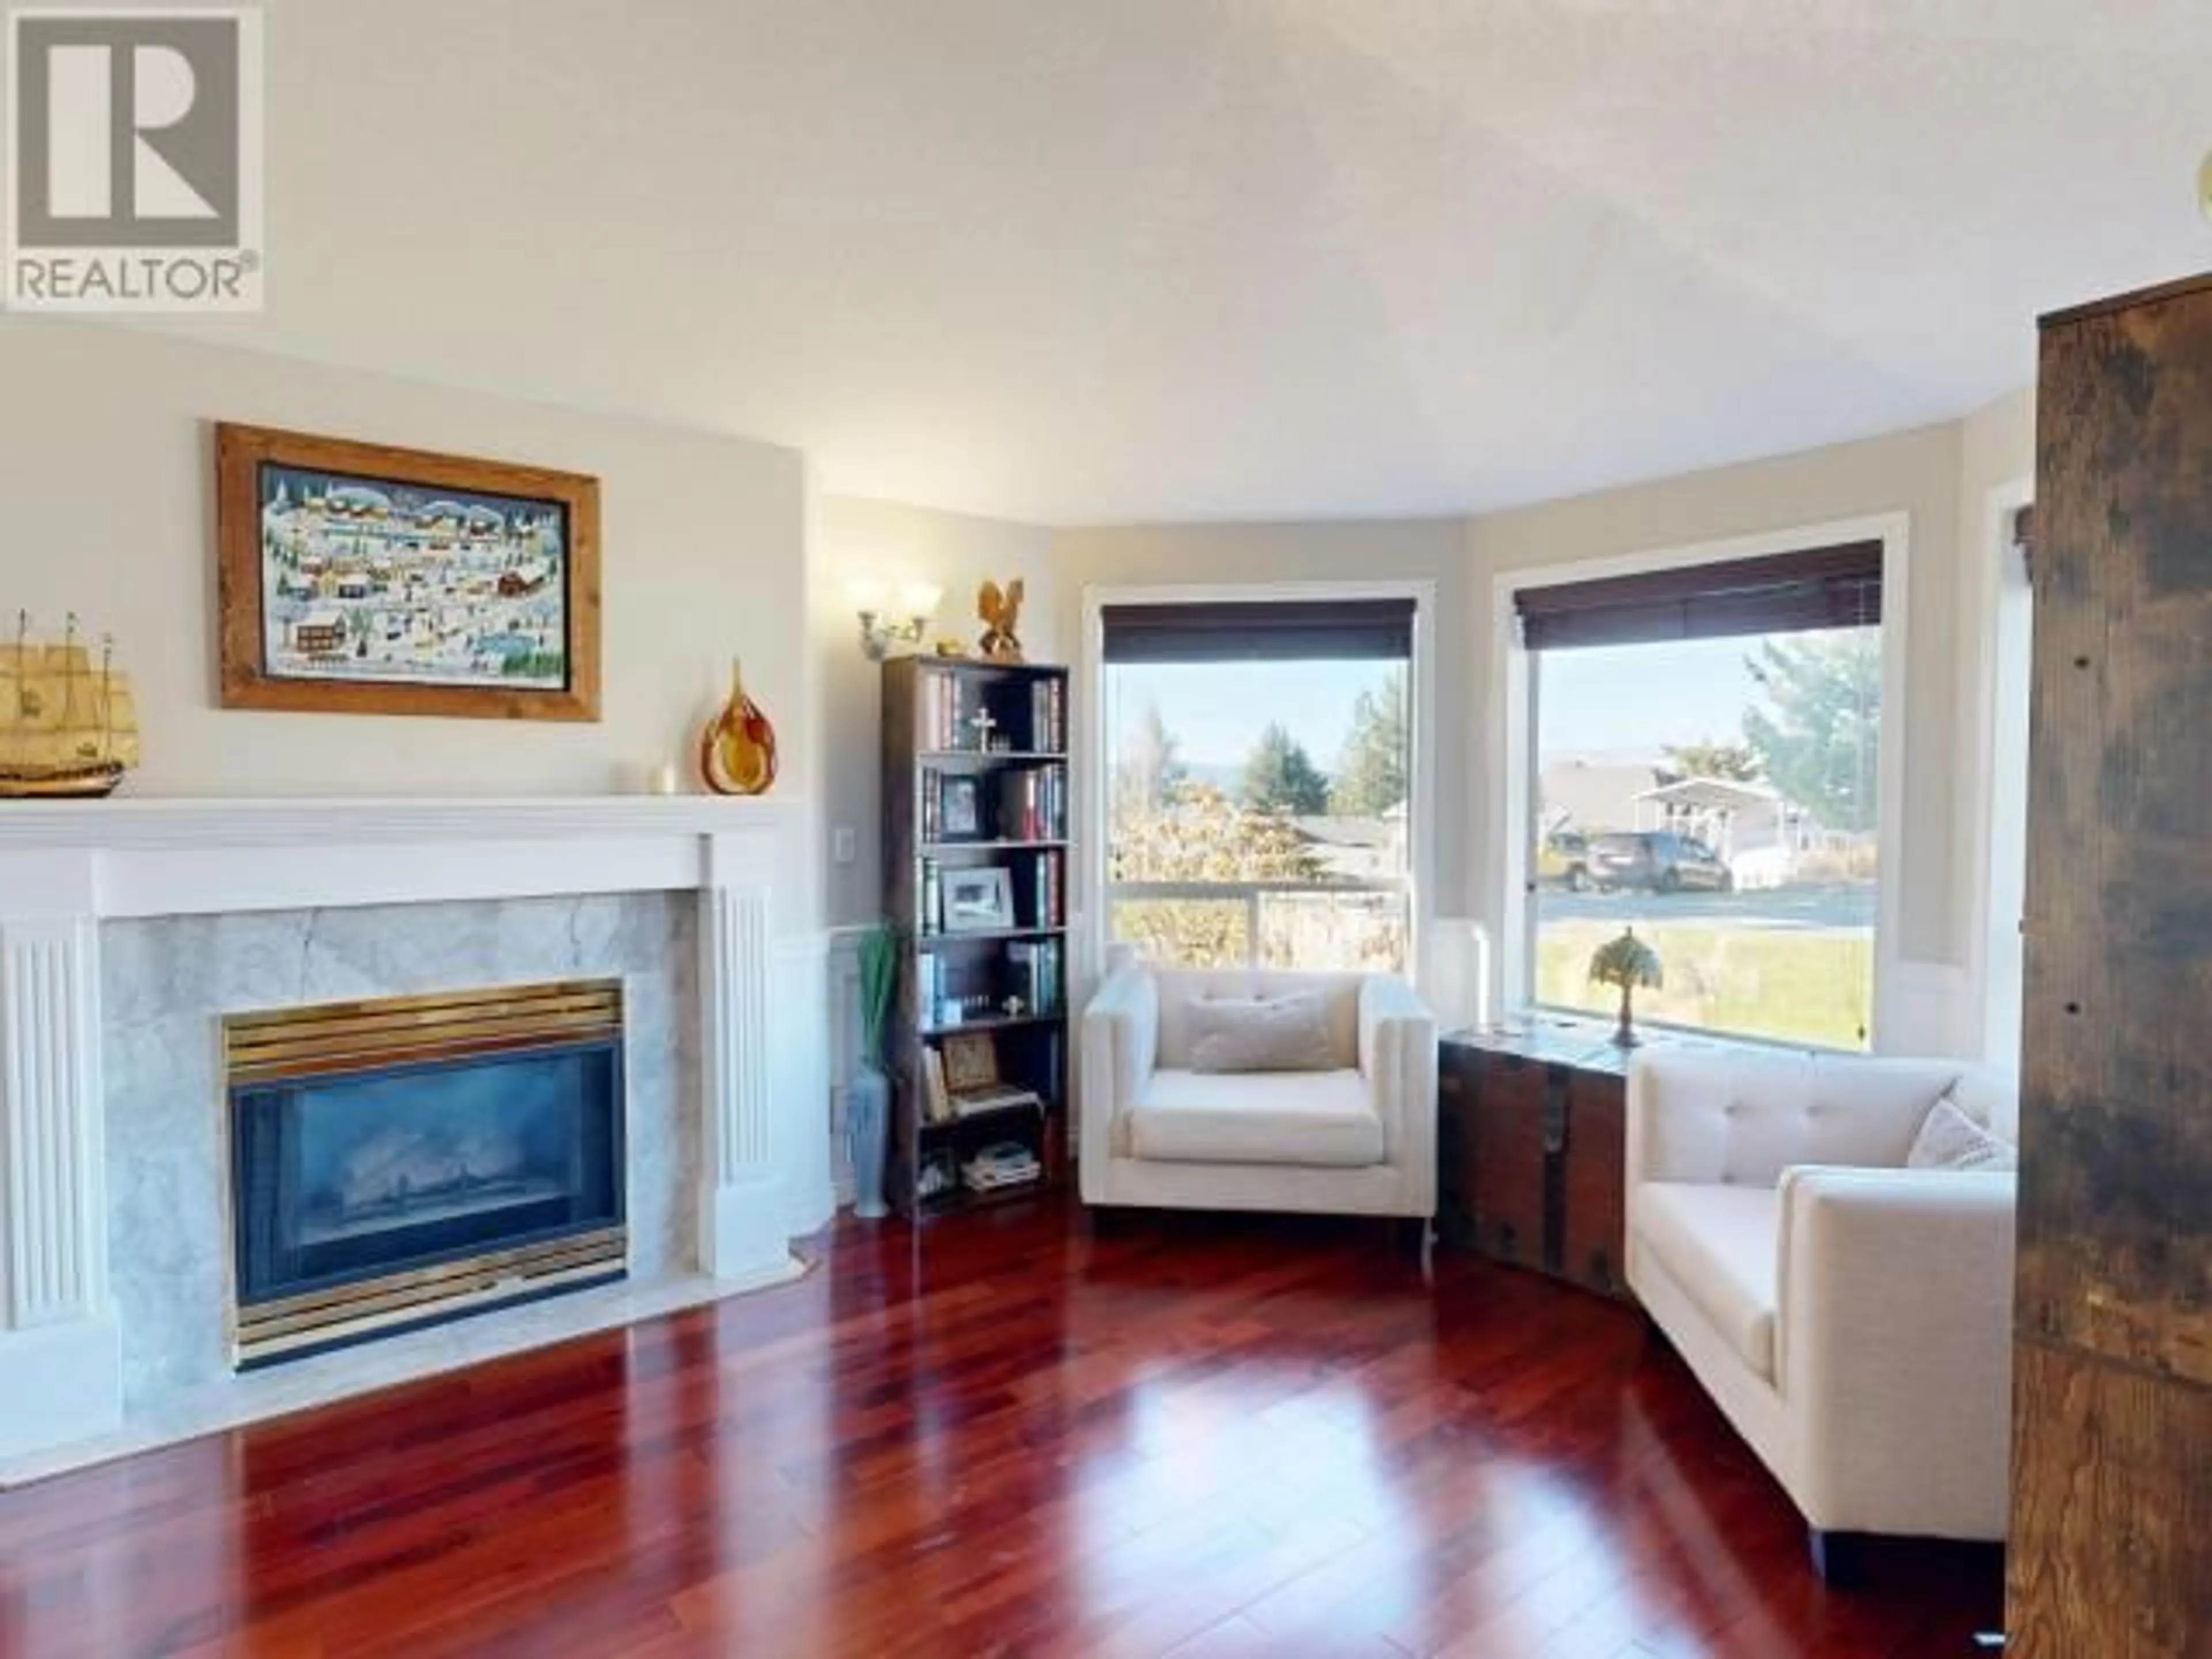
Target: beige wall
pixel 1998 444
pixel 106 473
pixel 886 541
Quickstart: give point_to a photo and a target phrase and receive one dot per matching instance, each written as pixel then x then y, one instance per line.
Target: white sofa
pixel 1359 1138
pixel 1852 1317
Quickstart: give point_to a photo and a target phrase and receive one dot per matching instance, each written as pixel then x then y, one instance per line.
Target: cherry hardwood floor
pixel 1190 1436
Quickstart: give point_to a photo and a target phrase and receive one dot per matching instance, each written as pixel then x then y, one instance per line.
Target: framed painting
pixel 359 579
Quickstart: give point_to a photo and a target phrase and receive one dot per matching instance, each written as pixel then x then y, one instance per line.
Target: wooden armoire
pixel 2111 1553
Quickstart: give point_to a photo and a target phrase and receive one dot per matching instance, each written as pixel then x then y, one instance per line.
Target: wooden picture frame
pixel 978 901
pixel 407 582
pixel 971 1062
pixel 959 807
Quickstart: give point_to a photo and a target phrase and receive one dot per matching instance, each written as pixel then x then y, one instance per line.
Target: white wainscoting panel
pixel 60 1363
pixel 842 969
pixel 802 1056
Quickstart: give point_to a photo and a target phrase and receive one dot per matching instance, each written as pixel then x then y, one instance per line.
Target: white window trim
pixel 1978 852
pixel 1513 691
pixel 1094 767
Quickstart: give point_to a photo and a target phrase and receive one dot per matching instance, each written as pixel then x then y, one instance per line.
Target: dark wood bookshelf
pixel 955 756
pixel 932 941
pixel 999 732
pixel 1016 845
pixel 961 1199
pixel 993 1022
pixel 953 1124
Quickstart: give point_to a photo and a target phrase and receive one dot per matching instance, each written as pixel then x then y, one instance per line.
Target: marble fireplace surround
pixel 176 910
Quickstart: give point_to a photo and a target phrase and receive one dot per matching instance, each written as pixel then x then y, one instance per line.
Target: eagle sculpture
pixel 1000 611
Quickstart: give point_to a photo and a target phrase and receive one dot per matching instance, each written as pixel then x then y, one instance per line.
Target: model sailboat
pixel 67 729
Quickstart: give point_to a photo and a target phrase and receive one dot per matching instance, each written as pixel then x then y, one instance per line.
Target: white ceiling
pixel 1071 260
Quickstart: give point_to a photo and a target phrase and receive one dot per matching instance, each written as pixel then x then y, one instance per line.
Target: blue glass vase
pixel 867 1131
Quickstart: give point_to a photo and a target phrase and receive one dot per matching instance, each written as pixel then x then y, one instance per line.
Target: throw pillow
pixel 1286 1033
pixel 1949 1139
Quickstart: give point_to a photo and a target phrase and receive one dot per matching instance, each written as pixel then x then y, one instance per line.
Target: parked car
pixel 1658 860
pixel 1563 857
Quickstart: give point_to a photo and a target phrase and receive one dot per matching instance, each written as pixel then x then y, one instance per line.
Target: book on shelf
pixel 928 988
pixel 1048 716
pixel 948 994
pixel 1007 1163
pixel 992 1097
pixel 928 899
pixel 1036 974
pixel 951 705
pixel 1044 890
pixel 1033 804
pixel 937 1104
pixel 944 711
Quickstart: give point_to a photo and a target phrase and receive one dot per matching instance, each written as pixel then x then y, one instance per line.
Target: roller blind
pixel 1837 586
pixel 1290 630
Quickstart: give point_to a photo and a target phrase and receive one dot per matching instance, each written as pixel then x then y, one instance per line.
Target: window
pixel 2012 625
pixel 1259 762
pixel 1707 756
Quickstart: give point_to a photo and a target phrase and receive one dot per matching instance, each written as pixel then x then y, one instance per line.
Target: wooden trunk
pixel 1530 1134
pixel 1594 1181
pixel 1506 1138
pixel 2112 1525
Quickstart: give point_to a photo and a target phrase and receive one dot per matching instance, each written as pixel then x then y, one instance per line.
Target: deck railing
pixel 1262 924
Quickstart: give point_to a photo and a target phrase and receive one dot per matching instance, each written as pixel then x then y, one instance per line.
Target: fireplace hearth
pixel 405 1161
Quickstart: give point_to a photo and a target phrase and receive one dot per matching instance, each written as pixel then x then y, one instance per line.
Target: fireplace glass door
pixel 368 1173
pixel 400 1162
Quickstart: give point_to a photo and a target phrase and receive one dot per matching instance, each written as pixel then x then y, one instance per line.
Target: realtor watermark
pixel 133 159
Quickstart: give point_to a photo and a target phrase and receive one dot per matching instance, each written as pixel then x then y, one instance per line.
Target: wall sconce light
pixel 889 620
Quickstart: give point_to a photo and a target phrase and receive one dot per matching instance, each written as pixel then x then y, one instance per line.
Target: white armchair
pixel 1357 1139
pixel 1851 1316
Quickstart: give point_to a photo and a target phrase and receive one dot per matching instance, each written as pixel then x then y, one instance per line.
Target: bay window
pixel 1258 763
pixel 1706 749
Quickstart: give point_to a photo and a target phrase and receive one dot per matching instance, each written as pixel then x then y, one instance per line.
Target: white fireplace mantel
pixel 174 857
pixel 66 867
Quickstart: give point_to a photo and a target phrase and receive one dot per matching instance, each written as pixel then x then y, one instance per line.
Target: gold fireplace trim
pixel 337 1038
pixel 270 1330
pixel 348 1037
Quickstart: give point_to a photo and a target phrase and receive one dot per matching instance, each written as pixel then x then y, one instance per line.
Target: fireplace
pixel 401 1162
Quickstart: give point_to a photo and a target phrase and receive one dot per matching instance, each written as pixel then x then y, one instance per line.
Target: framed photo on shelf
pixel 978 900
pixel 960 808
pixel 971 1062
